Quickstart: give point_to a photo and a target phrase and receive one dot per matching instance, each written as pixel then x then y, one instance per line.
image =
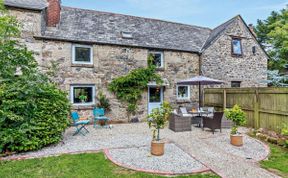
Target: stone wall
pixel 218 62
pixel 111 62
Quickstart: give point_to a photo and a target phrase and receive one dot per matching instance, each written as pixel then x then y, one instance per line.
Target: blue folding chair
pixel 79 124
pixel 99 115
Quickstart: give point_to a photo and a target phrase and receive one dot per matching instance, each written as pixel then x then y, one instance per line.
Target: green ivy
pixel 130 87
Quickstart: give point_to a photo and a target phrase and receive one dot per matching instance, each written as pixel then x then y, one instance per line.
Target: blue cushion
pixel 82 122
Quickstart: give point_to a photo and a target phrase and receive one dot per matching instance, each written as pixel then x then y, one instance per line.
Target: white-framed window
pixel 158 59
pixel 237 47
pixel 82 94
pixel 183 92
pixel 82 54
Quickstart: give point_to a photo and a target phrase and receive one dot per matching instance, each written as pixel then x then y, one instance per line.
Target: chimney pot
pixel 251 27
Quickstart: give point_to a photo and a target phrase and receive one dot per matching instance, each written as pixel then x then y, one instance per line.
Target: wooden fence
pixel 265 107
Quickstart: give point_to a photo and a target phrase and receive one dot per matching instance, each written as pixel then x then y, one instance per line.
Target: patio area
pixel 128 145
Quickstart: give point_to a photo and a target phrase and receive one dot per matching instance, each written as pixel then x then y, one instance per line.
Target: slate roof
pixel 27 4
pixel 216 32
pixel 89 26
pixel 104 27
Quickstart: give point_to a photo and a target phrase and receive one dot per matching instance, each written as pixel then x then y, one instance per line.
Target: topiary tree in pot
pixel 157 120
pixel 238 116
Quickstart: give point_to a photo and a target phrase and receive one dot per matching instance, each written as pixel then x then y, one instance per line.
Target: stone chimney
pixel 53 12
pixel 251 27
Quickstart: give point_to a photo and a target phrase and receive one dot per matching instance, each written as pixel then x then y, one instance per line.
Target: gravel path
pixel 214 151
pixel 174 161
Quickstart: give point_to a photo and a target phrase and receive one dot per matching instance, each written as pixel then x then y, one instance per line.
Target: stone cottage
pixel 92 48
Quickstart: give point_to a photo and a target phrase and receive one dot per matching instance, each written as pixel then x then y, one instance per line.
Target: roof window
pixel 127 35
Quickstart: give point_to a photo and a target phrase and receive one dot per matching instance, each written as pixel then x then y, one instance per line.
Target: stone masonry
pixel 250 69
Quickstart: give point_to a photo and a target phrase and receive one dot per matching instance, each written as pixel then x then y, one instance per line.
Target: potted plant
pixel 83 98
pixel 158 120
pixel 238 116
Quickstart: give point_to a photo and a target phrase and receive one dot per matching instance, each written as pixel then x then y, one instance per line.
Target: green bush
pixel 33 111
pixel 237 116
pixel 103 101
pixel 32 115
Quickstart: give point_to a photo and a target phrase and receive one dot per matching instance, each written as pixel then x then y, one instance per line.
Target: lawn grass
pixel 74 166
pixel 278 161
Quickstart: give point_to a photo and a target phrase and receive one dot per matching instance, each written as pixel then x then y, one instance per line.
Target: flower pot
pixel 157 148
pixel 236 140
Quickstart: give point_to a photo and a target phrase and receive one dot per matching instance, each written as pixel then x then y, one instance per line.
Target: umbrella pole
pixel 199 95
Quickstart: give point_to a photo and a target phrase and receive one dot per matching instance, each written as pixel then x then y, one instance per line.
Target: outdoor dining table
pixel 200 114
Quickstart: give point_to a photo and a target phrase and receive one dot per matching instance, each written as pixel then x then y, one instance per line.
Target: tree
pixel 272 33
pixel 33 111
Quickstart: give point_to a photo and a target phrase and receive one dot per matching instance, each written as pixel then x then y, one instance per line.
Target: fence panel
pixel 265 107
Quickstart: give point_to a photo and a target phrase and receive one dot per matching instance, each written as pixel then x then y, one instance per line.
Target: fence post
pixel 256 109
pixel 224 99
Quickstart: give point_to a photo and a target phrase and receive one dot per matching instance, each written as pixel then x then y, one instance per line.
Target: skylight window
pixel 127 35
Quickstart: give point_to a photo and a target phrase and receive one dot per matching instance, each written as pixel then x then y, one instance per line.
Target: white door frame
pixel 152 105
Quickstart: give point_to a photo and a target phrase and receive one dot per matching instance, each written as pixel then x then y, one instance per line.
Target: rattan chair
pixel 179 123
pixel 213 123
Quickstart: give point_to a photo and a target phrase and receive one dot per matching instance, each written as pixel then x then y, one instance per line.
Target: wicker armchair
pixel 213 123
pixel 179 123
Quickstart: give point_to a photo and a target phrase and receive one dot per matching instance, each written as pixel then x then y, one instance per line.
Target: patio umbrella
pixel 200 80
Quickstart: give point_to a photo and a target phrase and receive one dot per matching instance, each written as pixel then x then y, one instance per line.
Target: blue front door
pixel 155 98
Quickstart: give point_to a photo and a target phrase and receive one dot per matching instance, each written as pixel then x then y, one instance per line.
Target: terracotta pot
pixel 157 148
pixel 102 123
pixel 236 140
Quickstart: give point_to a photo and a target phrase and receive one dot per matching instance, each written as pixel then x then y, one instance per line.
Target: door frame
pixel 161 97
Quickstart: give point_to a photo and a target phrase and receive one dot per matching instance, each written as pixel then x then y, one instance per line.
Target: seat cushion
pixel 183 110
pixel 187 115
pixel 102 118
pixel 82 122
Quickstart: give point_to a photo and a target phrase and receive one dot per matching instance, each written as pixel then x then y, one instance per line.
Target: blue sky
pixel 207 13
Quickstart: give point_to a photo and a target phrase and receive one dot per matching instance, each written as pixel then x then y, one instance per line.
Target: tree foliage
pixel 33 111
pixel 272 33
pixel 159 118
pixel 237 115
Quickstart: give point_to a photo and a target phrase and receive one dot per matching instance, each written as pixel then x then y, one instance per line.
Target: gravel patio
pixel 186 152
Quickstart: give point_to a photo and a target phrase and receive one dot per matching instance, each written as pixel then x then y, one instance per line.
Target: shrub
pixel 237 116
pixel 32 114
pixel 103 101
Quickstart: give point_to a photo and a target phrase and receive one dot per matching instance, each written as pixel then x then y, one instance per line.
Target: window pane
pixel 235 84
pixel 157 59
pixel 182 92
pixel 83 94
pixel 236 43
pixel 155 95
pixel 82 54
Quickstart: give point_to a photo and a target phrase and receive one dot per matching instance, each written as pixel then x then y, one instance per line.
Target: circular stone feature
pixel 174 160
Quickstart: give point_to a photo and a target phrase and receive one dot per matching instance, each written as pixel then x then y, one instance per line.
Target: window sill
pixel 160 69
pixel 83 107
pixel 83 65
pixel 183 101
pixel 237 55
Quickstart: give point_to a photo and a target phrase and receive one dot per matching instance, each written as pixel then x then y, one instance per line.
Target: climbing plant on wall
pixel 129 88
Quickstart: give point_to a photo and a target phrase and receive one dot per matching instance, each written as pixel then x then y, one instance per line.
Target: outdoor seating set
pixel 80 123
pixel 205 117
